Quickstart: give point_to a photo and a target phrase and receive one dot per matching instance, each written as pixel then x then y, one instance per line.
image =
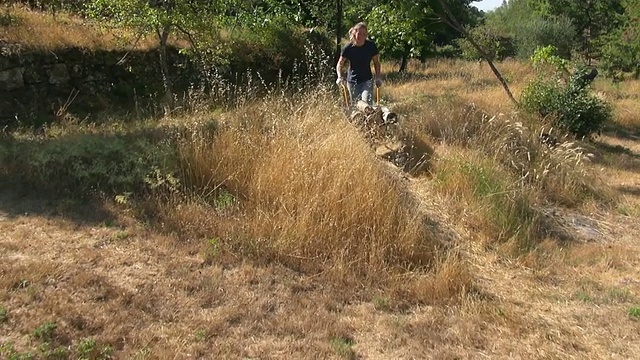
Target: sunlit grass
pixel 38 30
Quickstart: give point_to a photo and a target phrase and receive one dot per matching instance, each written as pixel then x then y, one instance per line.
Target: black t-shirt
pixel 359 61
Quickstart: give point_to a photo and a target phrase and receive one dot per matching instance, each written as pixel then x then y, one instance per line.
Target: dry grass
pixel 626 112
pixel 310 193
pixel 42 31
pixel 293 240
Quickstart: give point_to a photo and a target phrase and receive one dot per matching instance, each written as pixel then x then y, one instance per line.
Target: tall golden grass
pixel 312 193
pixel 307 191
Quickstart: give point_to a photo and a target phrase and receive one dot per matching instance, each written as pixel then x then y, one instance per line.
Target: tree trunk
pixel 403 63
pixel 449 19
pixel 167 100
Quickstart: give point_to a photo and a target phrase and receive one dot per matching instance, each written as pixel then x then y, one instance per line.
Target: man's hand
pixel 378 82
pixel 341 81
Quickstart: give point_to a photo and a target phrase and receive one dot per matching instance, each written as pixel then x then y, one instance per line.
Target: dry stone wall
pixel 34 85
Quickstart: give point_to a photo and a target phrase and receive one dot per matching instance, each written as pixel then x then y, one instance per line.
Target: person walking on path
pixel 360 52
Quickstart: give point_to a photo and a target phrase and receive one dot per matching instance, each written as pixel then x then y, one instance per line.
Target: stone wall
pixel 35 85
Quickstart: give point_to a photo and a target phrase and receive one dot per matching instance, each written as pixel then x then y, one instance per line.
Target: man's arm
pixel 376 65
pixel 339 66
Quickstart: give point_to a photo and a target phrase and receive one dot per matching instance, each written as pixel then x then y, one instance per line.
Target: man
pixel 360 51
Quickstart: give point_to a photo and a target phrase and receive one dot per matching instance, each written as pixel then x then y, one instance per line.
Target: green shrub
pixel 621 52
pixel 571 105
pixel 82 164
pixel 277 50
pixel 46 331
pixel 557 32
pixel 497 45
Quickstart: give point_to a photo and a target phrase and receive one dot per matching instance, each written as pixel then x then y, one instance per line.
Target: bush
pixel 572 106
pixel 496 45
pixel 81 164
pixel 447 51
pixel 621 52
pixel 277 49
pixel 538 32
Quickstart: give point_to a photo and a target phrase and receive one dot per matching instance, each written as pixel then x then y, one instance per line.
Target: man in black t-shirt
pixel 360 51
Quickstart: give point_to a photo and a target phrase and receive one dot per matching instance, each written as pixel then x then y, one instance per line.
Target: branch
pixel 449 19
pixel 135 44
pixel 191 40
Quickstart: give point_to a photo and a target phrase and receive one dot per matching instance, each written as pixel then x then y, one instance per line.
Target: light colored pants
pixel 362 91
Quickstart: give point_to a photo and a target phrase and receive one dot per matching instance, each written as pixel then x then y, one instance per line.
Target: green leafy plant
pixel 201 335
pixel 46 331
pixel 568 101
pixel 343 346
pixel 85 347
pixel 53 352
pixel 547 55
pixel 556 32
pixel 88 348
pixel 382 303
pixel 213 247
pixel 634 312
pixel 8 351
pixel 224 200
pixel 83 164
pixel 496 44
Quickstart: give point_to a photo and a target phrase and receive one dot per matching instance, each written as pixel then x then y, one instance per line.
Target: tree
pixel 540 31
pixel 401 33
pixel 411 29
pixel 158 17
pixel 621 48
pixel 591 18
pixel 531 24
pixel 444 9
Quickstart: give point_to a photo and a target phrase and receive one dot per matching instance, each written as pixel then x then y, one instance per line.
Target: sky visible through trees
pixel 487 5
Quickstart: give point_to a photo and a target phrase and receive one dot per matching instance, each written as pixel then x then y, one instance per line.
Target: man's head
pixel 358 34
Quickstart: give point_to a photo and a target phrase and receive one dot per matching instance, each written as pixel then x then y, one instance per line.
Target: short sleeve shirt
pixel 359 61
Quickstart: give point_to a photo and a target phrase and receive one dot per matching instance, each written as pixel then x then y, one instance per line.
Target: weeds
pixel 85 164
pixel 213 248
pixel 501 208
pixel 620 296
pixel 85 347
pixel 200 335
pixel 8 351
pixel 306 202
pixel 344 347
pixel 382 303
pixel 46 331
pixel 88 348
pixel 634 312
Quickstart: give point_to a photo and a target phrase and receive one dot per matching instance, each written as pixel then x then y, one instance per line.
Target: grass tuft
pixel 310 192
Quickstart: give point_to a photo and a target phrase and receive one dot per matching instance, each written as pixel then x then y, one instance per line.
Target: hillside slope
pixel 78 280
